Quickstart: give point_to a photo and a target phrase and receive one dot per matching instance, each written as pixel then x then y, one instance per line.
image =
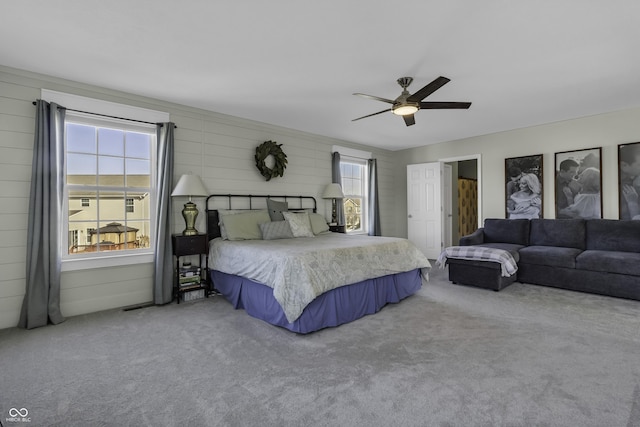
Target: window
pixel 108 185
pixel 90 231
pixel 73 237
pixel 354 186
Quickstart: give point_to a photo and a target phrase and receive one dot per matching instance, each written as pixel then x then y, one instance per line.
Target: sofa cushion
pixel 565 233
pixel 613 235
pixel 610 261
pixel 509 247
pixel 514 231
pixel 551 256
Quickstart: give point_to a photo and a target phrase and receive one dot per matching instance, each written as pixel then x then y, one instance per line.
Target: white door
pixel 425 223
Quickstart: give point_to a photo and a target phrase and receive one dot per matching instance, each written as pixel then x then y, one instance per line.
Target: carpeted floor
pixel 448 356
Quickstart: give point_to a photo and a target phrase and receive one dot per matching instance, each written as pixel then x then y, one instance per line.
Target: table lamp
pixel 191 186
pixel 333 192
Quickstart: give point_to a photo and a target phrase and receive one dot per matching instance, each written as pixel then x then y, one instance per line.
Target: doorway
pixel 466 195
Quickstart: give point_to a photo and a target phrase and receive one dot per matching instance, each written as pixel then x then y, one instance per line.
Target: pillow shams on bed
pixel 245 225
pixel 299 223
pixel 223 212
pixel 276 230
pixel 318 223
pixel 276 208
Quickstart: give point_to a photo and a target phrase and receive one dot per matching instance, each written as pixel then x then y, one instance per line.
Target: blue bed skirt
pixel 333 308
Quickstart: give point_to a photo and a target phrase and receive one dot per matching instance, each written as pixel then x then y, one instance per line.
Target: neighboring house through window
pixel 108 173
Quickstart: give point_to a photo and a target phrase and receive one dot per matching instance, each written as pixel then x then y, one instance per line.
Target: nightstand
pixel 195 278
pixel 338 228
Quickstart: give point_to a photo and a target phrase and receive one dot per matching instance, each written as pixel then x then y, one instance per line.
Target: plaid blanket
pixel 480 253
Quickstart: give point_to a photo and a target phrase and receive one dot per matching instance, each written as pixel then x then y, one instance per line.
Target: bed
pixel 301 276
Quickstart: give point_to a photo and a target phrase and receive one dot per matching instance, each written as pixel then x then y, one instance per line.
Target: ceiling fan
pixel 407 104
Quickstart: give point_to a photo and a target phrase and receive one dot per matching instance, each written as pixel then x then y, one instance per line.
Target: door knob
pixel 410 216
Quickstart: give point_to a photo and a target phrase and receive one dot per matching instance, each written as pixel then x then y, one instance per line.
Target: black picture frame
pixel 578 184
pixel 629 181
pixel 524 187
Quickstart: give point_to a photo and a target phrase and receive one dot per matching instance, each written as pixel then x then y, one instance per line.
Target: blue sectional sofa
pixel 597 255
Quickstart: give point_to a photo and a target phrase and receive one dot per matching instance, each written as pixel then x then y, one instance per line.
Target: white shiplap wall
pixel 217 147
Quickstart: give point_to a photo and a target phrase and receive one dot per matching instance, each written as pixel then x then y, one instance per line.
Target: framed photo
pixel 629 181
pixel 523 180
pixel 578 182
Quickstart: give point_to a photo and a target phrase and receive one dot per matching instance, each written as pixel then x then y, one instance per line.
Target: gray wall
pixel 220 149
pixel 603 130
pixel 217 147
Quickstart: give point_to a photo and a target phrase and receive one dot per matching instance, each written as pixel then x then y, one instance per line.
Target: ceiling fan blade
pixel 409 119
pixel 379 112
pixel 428 89
pixel 444 105
pixel 377 98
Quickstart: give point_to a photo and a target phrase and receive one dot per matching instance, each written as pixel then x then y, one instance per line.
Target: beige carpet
pixel 448 356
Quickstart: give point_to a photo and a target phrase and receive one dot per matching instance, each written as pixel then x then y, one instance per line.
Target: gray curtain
pixel 374 209
pixel 41 302
pixel 163 256
pixel 336 178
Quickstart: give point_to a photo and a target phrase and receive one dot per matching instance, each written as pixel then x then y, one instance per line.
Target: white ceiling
pixel 296 63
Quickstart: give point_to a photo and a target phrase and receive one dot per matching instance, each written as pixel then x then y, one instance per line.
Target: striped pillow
pixel 276 230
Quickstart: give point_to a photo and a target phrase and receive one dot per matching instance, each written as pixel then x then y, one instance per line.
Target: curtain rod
pixel 111 117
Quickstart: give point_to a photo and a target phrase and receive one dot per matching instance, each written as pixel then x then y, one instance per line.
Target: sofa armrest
pixel 475 238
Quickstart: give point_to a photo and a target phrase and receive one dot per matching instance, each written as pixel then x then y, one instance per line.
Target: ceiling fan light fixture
pixel 404 110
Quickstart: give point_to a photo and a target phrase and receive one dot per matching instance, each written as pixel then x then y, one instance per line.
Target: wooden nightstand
pixel 195 278
pixel 338 228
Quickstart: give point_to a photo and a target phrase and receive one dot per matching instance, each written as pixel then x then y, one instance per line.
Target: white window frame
pixel 116 258
pixel 365 192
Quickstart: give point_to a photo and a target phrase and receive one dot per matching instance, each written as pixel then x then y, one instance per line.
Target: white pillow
pixel 299 223
pixel 318 223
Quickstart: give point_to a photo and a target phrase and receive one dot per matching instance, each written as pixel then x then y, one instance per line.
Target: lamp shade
pixel 189 185
pixel 333 191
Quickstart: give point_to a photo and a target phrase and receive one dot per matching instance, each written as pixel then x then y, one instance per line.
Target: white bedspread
pixel 300 269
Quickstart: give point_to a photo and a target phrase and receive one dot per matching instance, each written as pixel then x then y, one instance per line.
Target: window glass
pixel 353 173
pixel 111 141
pixel 80 138
pixel 137 145
pixel 81 168
pixel 109 186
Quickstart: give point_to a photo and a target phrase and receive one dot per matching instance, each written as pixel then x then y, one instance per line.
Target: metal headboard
pixel 248 201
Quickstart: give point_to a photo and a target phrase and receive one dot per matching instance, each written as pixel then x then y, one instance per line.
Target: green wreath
pixel 266 149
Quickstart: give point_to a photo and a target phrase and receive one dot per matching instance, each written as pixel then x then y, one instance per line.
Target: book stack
pixel 190 282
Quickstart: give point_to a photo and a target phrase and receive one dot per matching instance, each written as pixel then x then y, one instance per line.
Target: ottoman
pixel 482 274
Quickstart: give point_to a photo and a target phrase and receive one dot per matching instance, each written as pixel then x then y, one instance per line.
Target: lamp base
pixel 334 211
pixel 190 213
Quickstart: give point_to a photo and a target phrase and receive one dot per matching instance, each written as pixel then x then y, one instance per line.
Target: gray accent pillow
pixel 276 230
pixel 276 208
